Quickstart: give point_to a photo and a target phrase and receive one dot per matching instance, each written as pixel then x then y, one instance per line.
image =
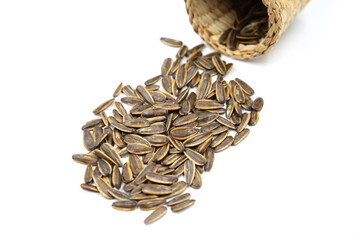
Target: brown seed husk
pixel 88 174
pixel 181 133
pixel 104 167
pixel 155 215
pixel 86 158
pixel 197 182
pixel 171 42
pixel 219 64
pixel 245 87
pixel 110 151
pixel 103 106
pixel 118 90
pixel 254 117
pixel 136 164
pixel 225 122
pixel 219 139
pixel 162 179
pixel 189 171
pixel 153 80
pixel 116 177
pixel 208 104
pixel 124 205
pixel 145 94
pixel 257 104
pixel 181 206
pixel 244 122
pixel 89 187
pixel 156 189
pixel 127 174
pixel 179 199
pixel 210 157
pixel 239 136
pixel 224 144
pixel 194 156
pixel 151 204
pixel 166 66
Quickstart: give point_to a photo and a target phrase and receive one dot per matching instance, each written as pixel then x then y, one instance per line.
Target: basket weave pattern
pixel 210 18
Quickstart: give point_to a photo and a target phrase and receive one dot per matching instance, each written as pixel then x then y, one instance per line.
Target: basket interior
pixel 213 17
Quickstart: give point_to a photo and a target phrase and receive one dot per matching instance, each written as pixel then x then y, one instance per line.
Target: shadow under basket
pixel 211 18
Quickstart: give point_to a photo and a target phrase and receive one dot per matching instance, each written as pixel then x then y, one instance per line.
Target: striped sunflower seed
pixel 181 206
pixel 124 205
pixel 171 42
pixel 155 215
pixel 179 199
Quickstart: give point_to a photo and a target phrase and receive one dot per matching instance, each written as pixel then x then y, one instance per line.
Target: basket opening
pixel 229 23
pixel 249 24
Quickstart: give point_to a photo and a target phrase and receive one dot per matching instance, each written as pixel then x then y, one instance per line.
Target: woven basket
pixel 210 18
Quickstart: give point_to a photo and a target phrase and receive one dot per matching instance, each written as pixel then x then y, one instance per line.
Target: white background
pixel 296 176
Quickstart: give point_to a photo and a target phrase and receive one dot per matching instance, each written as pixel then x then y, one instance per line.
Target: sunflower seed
pixel 161 152
pixel 225 122
pixel 89 187
pixel 208 104
pixel 219 139
pixel 116 177
pixel 155 128
pixel 219 64
pixel 185 120
pixel 151 204
pixel 155 215
pixel 162 179
pixel 88 174
pixel 189 171
pixel 158 96
pixel 153 80
pixel 166 66
pixel 181 206
pixel 124 205
pixel 171 42
pixel 204 86
pixel 219 92
pixel 257 104
pixel 197 139
pixel 155 112
pixel 132 101
pixel 197 182
pixel 194 156
pixel 105 168
pixel 103 106
pixel 145 94
pixel 157 140
pixel 129 91
pixel 181 133
pixel 167 106
pixel 92 123
pixel 156 189
pixel 110 151
pixel 210 157
pixel 179 199
pixel 245 87
pixel 180 77
pixel 244 122
pixel 224 144
pixel 102 187
pixel 166 83
pixel 202 147
pixel 127 174
pixel 87 158
pixel 254 117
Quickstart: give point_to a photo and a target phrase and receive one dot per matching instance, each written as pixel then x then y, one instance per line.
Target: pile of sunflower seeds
pixel 251 24
pixel 167 134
